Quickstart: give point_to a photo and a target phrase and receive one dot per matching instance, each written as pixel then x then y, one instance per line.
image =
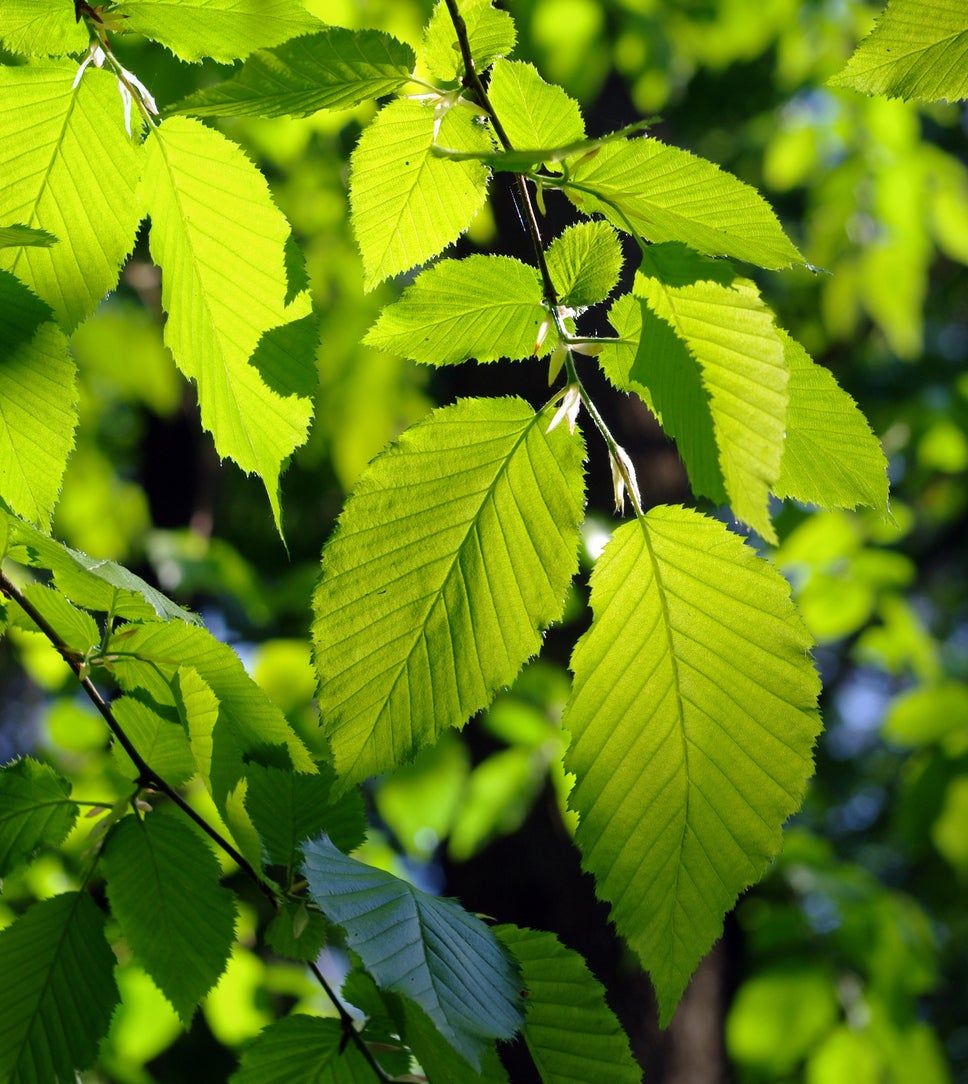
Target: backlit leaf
pixel 302 1050
pixel 20 236
pixel 585 262
pixel 533 113
pixel 41 28
pixel 490 31
pixel 35 811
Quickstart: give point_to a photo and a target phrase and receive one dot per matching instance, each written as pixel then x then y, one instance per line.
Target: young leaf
pixel 692 720
pixel 40 28
pixel 483 307
pixel 57 991
pixel 220 240
pixel 830 456
pixel 585 262
pixel 302 1050
pixel 426 949
pixel 406 204
pixel 162 744
pixel 534 113
pixel 918 50
pixel 330 70
pixel 39 397
pixel 24 236
pixel 51 136
pixel 439 579
pixel 163 886
pixel 572 1034
pixel 491 34
pixel 667 194
pixel 35 811
pixel 224 30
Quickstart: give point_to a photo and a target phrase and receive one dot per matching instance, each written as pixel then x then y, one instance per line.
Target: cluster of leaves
pixel 693 712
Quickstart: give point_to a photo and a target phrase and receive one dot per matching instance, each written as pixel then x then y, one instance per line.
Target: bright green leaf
pixel 35 811
pixel 498 796
pixel 532 112
pixel 163 886
pixel 437 583
pixel 25 236
pixel 949 832
pixel 585 262
pixel 77 629
pixel 302 1050
pixel 483 307
pixel 926 714
pixel 491 34
pixel 692 719
pixel 162 744
pixel 41 28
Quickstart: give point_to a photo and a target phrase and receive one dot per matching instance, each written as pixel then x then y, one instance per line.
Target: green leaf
pixel 57 991
pixel 224 30
pixel 76 628
pixel 24 236
pixel 296 932
pixel 41 28
pixel 35 811
pixel 197 708
pixel 533 113
pixel 439 580
pixel 918 50
pixel 163 886
pixel 483 307
pixel 330 70
pixel 302 1050
pixel 491 34
pixel 39 403
pixel 830 456
pixel 585 262
pixel 406 204
pixel 572 1034
pixel 714 365
pixel 289 808
pixel 220 240
pixel 426 949
pixel 692 720
pixel 162 744
pixel 50 135
pixel 927 714
pixel 667 194
pixel 441 1064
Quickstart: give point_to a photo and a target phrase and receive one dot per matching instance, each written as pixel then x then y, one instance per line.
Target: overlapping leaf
pixel 483 307
pixel 35 810
pixel 452 555
pixel 40 28
pixel 333 69
pixel 429 950
pixel 692 720
pixel 490 32
pixel 17 236
pixel 585 262
pixel 302 1050
pixel 69 168
pixel 162 742
pixel 77 629
pixel 533 113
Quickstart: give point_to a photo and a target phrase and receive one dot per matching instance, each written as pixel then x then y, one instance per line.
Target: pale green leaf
pixel 572 1034
pixel 57 991
pixel 918 50
pixel 41 28
pixel 163 886
pixel 38 403
pixel 830 456
pixel 221 29
pixel 426 949
pixel 692 720
pixel 220 240
pixel 406 203
pixel 302 1050
pixel 69 168
pixel 452 555
pixel 77 629
pixel 490 31
pixel 162 743
pixel 532 112
pixel 483 307
pixel 666 194
pixel 585 262
pixel 927 714
pixel 35 811
pixel 498 797
pixel 197 708
pixel 24 236
pixel 330 70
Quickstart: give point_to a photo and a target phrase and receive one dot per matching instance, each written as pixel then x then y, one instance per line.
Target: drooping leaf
pixel 35 811
pixel 572 1034
pixel 57 991
pixel 163 886
pixel 69 168
pixel 221 29
pixel 162 743
pixel 667 194
pixel 333 69
pixel 692 720
pixel 483 307
pixel 439 578
pixel 220 241
pixel 39 400
pixel 41 28
pixel 533 113
pixel 918 50
pixel 585 262
pixel 406 204
pixel 25 236
pixel 830 456
pixel 490 31
pixel 302 1050
pixel 426 949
